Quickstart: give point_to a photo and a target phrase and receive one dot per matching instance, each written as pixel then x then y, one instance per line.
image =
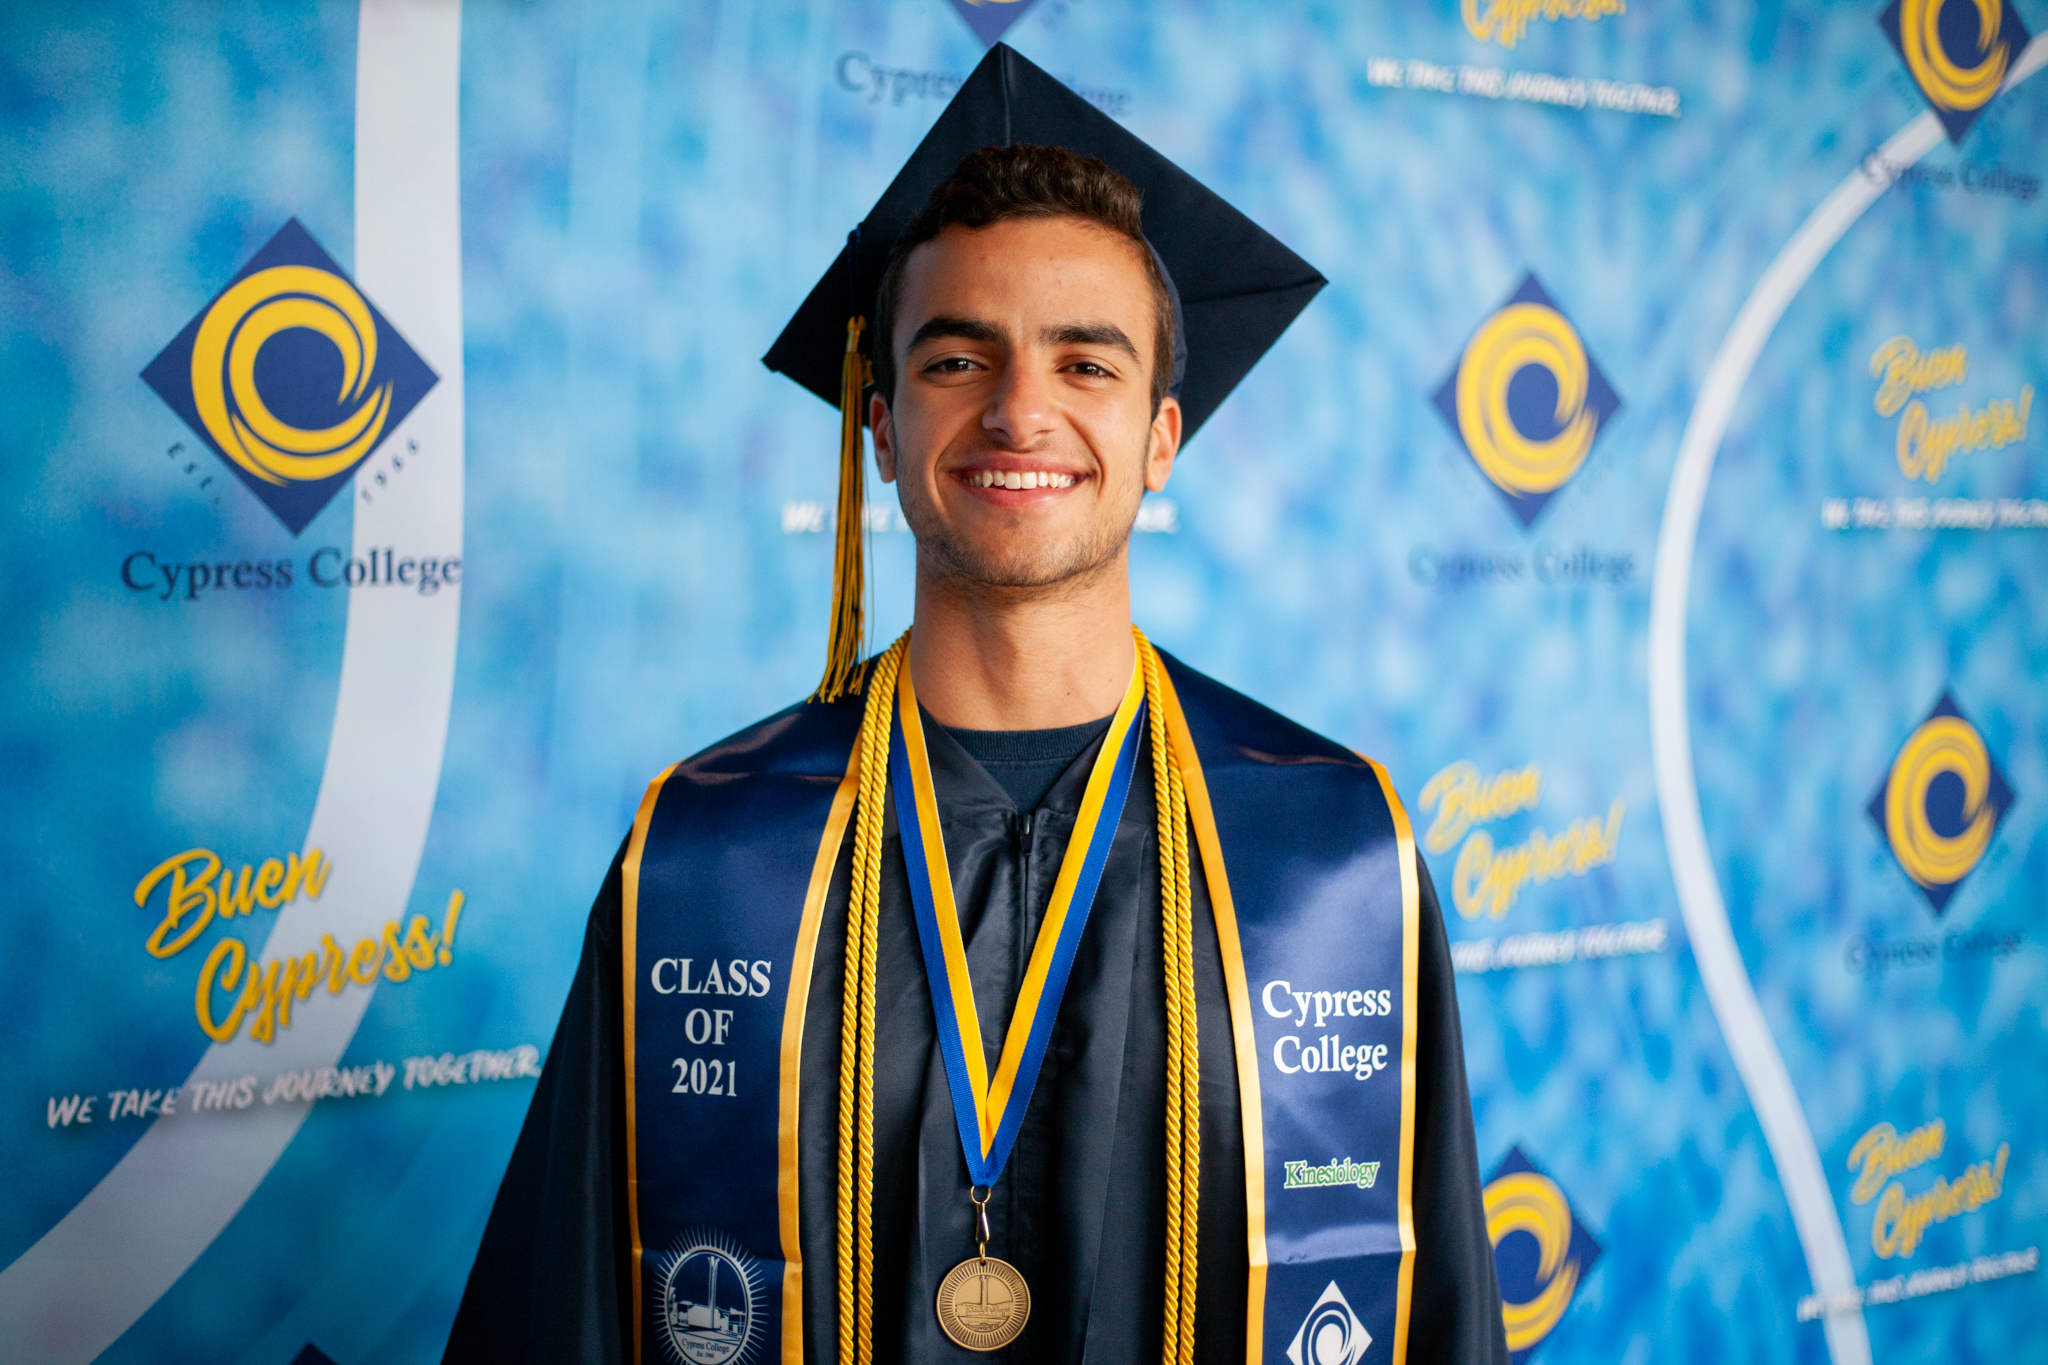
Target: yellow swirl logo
pixel 1941 802
pixel 1541 1252
pixel 1957 52
pixel 291 376
pixel 1526 400
pixel 1521 335
pixel 231 336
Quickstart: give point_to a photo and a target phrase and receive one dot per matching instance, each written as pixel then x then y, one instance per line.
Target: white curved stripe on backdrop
pixel 72 1294
pixel 1728 985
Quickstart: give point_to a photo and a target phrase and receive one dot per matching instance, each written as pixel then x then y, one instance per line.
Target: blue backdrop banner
pixel 1653 491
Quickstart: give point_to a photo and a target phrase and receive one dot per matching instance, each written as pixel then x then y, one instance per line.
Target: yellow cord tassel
pixel 1183 1048
pixel 856 1229
pixel 849 531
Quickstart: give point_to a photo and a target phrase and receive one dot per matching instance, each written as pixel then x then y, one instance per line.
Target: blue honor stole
pixel 1309 863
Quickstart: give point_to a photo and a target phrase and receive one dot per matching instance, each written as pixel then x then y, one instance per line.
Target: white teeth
pixel 1022 481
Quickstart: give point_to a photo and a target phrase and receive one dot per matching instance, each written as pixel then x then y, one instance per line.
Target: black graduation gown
pixel 1080 1208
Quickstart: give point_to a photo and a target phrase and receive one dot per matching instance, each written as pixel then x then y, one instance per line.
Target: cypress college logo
pixel 712 1294
pixel 1957 52
pixel 1941 802
pixel 291 376
pixel 1541 1252
pixel 1526 400
pixel 1331 1334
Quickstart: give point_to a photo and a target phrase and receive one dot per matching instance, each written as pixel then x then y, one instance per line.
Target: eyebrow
pixel 1068 334
pixel 957 328
pixel 1091 334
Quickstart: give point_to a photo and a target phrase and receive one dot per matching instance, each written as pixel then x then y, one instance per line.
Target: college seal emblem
pixel 710 1301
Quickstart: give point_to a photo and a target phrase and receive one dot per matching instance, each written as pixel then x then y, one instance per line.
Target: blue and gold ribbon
pixel 990 1111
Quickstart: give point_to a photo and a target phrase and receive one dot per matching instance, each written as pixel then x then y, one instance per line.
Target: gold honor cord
pixel 1183 1047
pixel 857 1023
pixel 856 1185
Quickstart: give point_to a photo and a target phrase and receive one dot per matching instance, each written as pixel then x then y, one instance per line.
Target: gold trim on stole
pixel 629 952
pixel 1411 947
pixel 1203 817
pixel 790 1113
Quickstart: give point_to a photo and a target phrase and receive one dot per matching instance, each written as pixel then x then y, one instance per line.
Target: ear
pixel 885 437
pixel 1165 444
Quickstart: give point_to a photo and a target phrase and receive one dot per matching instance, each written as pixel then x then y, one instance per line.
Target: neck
pixel 987 658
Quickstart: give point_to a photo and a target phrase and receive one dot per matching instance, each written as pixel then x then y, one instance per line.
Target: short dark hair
pixel 997 184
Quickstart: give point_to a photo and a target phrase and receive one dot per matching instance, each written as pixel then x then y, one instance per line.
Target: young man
pixel 1027 995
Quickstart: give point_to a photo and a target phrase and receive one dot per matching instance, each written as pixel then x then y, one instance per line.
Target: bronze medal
pixel 983 1304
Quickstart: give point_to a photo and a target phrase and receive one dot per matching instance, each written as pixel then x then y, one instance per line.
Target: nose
pixel 1019 414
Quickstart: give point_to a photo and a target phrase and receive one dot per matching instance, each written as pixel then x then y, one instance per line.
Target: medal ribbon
pixel 990 1112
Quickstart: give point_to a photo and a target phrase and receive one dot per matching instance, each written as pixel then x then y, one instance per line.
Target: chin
pixel 1018 566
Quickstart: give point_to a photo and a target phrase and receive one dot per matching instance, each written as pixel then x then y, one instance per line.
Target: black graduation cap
pixel 1236 287
pixel 1239 287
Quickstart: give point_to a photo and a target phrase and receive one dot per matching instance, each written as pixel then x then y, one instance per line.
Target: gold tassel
pixel 849 531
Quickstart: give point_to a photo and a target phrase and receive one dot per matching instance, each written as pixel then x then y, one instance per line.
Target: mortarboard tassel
pixel 849 531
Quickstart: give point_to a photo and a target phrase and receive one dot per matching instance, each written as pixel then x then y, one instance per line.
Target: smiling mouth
pixel 1020 479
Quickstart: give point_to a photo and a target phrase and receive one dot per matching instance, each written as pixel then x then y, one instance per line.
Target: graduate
pixel 1022 995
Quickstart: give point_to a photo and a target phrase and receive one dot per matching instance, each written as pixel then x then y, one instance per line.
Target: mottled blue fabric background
pixel 648 190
